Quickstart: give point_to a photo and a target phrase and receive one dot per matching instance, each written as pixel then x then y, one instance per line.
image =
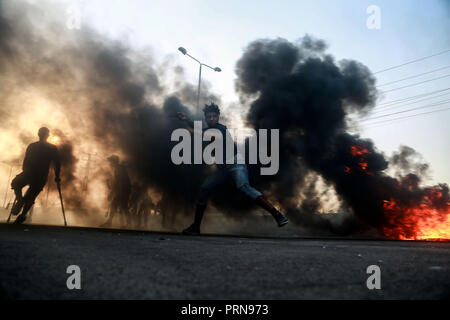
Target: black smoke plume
pixel 305 93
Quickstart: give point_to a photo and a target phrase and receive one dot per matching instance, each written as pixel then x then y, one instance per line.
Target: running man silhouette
pixel 38 157
pixel 237 172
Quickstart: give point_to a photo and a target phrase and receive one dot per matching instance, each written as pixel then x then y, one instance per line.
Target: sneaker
pixel 17 206
pixel 20 219
pixel 281 219
pixel 192 230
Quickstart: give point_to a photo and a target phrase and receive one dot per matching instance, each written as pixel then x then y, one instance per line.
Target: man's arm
pixel 183 117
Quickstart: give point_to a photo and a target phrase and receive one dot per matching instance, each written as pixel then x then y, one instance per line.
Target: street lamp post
pixel 216 69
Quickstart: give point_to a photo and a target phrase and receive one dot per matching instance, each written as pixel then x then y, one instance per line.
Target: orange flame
pixel 423 222
pixel 360 151
pixel 363 165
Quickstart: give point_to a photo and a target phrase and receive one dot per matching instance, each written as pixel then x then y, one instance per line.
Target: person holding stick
pixel 38 158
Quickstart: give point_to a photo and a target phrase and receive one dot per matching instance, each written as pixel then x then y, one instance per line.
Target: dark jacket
pixel 38 157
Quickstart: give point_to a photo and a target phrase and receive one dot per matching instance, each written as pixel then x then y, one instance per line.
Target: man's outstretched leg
pixel 266 205
pixel 195 227
pixel 240 175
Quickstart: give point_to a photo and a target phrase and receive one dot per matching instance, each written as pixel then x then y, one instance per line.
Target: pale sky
pixel 217 32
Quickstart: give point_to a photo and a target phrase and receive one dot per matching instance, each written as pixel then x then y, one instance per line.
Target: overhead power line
pixel 381 123
pixel 411 97
pixel 414 76
pixel 407 101
pixel 384 109
pixel 417 108
pixel 417 83
pixel 413 61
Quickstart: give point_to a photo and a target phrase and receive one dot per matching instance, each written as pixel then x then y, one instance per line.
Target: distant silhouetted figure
pixel 36 165
pixel 120 190
pixel 145 210
pixel 141 205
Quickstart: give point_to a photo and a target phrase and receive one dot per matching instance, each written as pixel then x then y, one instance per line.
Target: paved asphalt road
pixel 118 264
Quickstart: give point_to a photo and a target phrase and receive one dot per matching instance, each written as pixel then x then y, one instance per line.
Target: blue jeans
pixel 239 174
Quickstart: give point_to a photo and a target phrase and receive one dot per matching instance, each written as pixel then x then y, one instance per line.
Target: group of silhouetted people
pixel 131 202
